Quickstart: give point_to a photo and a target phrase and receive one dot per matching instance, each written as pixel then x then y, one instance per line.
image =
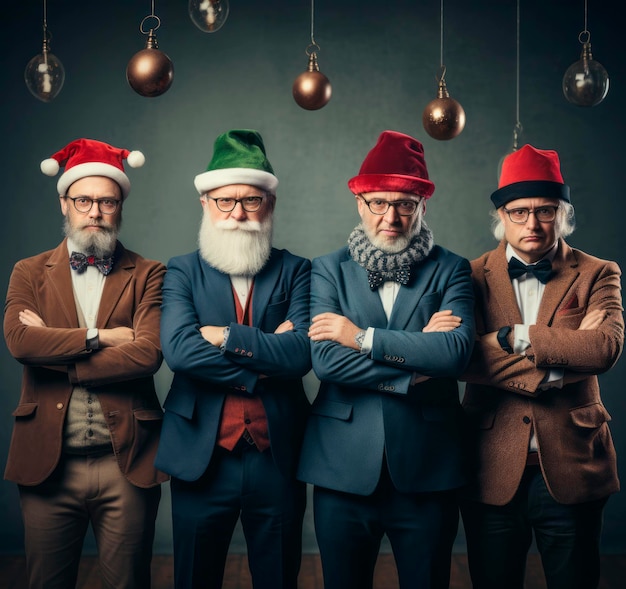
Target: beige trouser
pixel 57 513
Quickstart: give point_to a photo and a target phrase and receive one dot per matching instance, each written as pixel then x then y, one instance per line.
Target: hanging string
pixel 312 22
pixel 442 68
pixel 518 125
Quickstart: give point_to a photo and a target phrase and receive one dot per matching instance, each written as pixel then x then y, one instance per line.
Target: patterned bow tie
pixel 79 262
pixel 401 275
pixel 542 270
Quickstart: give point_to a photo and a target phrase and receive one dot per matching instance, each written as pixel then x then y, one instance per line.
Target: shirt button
pixel 59 405
pixel 247 421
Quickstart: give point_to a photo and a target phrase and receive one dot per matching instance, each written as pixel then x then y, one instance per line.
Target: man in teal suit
pixel 392 328
pixel 234 332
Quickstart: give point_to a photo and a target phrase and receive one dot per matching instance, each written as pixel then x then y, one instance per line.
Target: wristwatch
pixel 503 332
pixel 359 338
pixel 91 341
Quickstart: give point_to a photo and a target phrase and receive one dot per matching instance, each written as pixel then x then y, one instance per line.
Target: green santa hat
pixel 238 158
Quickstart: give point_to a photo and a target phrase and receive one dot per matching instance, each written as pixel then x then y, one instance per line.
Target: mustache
pixel 234 225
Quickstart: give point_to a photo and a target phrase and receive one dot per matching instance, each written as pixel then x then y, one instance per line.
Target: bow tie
pixel 401 276
pixel 542 270
pixel 79 262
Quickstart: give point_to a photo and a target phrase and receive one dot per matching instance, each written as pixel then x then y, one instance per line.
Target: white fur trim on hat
pixel 223 177
pixel 93 169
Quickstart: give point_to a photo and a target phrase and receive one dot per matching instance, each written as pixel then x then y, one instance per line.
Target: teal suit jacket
pixel 196 294
pixel 366 407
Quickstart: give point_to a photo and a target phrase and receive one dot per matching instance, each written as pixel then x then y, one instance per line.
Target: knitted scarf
pixel 382 266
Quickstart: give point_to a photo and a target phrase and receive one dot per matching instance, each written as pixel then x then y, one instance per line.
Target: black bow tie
pixel 542 270
pixel 79 262
pixel 401 276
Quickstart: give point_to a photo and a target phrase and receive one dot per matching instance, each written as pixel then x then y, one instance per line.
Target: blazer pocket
pixel 25 410
pixel 589 416
pixel 334 409
pixel 180 402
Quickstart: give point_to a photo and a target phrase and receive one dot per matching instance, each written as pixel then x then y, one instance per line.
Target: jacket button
pixel 526 419
pixel 59 405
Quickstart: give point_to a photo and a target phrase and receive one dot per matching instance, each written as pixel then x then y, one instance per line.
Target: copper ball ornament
pixel 311 89
pixel 150 72
pixel 444 117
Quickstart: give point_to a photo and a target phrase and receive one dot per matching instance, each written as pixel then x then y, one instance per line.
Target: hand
pixel 442 321
pixel 30 318
pixel 116 336
pixel 333 327
pixel 284 326
pixel 593 319
pixel 214 334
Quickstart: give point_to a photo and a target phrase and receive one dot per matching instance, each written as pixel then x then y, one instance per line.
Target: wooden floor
pixel 237 576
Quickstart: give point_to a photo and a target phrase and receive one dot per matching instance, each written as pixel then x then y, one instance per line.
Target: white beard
pixel 234 247
pixel 100 244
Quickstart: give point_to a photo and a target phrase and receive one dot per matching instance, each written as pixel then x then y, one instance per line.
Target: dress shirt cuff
pixel 368 341
pixel 522 338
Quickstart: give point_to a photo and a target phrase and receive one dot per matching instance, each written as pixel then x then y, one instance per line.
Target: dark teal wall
pixel 382 59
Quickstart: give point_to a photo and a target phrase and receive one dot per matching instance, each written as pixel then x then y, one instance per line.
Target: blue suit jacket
pixel 366 407
pixel 196 294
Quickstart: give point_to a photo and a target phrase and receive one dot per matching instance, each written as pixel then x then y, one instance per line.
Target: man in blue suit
pixel 234 332
pixel 392 328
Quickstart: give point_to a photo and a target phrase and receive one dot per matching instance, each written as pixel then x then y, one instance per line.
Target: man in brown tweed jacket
pixel 549 320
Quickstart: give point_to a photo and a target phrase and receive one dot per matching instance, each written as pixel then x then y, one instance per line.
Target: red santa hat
pixel 530 172
pixel 395 164
pixel 87 157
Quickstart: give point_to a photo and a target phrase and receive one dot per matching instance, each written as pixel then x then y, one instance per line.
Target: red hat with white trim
pixel 88 157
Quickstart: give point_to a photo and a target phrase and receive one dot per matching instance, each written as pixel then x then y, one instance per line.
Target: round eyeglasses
pixel 404 208
pixel 250 204
pixel 83 204
pixel 545 214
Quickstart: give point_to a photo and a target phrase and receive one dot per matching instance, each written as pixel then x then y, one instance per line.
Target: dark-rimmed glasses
pixel 545 214
pixel 250 204
pixel 83 204
pixel 378 206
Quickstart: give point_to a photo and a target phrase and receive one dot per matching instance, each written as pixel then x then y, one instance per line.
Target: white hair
pixel 564 222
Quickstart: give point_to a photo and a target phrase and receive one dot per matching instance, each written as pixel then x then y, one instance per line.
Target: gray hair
pixel 564 223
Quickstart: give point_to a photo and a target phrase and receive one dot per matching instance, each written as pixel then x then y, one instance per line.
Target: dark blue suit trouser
pixel 567 537
pixel 243 483
pixel 421 528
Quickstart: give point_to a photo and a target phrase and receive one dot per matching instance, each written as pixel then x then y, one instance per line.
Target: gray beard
pixel 400 243
pixel 237 249
pixel 101 244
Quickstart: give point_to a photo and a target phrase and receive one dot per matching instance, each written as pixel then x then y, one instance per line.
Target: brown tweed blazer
pixel 502 397
pixel 55 359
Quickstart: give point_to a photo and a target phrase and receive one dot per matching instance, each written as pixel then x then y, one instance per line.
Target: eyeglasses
pixel 250 204
pixel 83 204
pixel 542 214
pixel 404 208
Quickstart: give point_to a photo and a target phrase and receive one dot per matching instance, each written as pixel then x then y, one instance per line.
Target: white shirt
pixel 88 287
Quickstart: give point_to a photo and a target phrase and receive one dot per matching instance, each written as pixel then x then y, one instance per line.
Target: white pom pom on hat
pixel 88 157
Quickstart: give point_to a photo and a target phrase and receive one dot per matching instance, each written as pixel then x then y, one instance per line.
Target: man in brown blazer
pixel 83 319
pixel 549 320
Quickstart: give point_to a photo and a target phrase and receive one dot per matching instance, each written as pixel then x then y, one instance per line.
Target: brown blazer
pixel 502 396
pixel 55 359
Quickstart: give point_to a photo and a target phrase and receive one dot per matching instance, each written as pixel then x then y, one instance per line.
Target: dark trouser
pixel 421 528
pixel 244 483
pixel 567 537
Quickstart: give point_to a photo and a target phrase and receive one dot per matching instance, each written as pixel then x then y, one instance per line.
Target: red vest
pixel 241 412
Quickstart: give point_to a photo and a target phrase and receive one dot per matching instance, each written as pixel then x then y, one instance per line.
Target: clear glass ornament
pixel 208 15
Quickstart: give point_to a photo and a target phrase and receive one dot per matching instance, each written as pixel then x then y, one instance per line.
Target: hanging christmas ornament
pixel 44 74
pixel 311 89
pixel 150 72
pixel 517 129
pixel 444 117
pixel 586 82
pixel 208 15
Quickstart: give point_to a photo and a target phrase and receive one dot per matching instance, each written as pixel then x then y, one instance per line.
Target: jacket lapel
pixel 264 286
pixel 368 304
pixel 59 277
pixel 500 290
pixel 565 267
